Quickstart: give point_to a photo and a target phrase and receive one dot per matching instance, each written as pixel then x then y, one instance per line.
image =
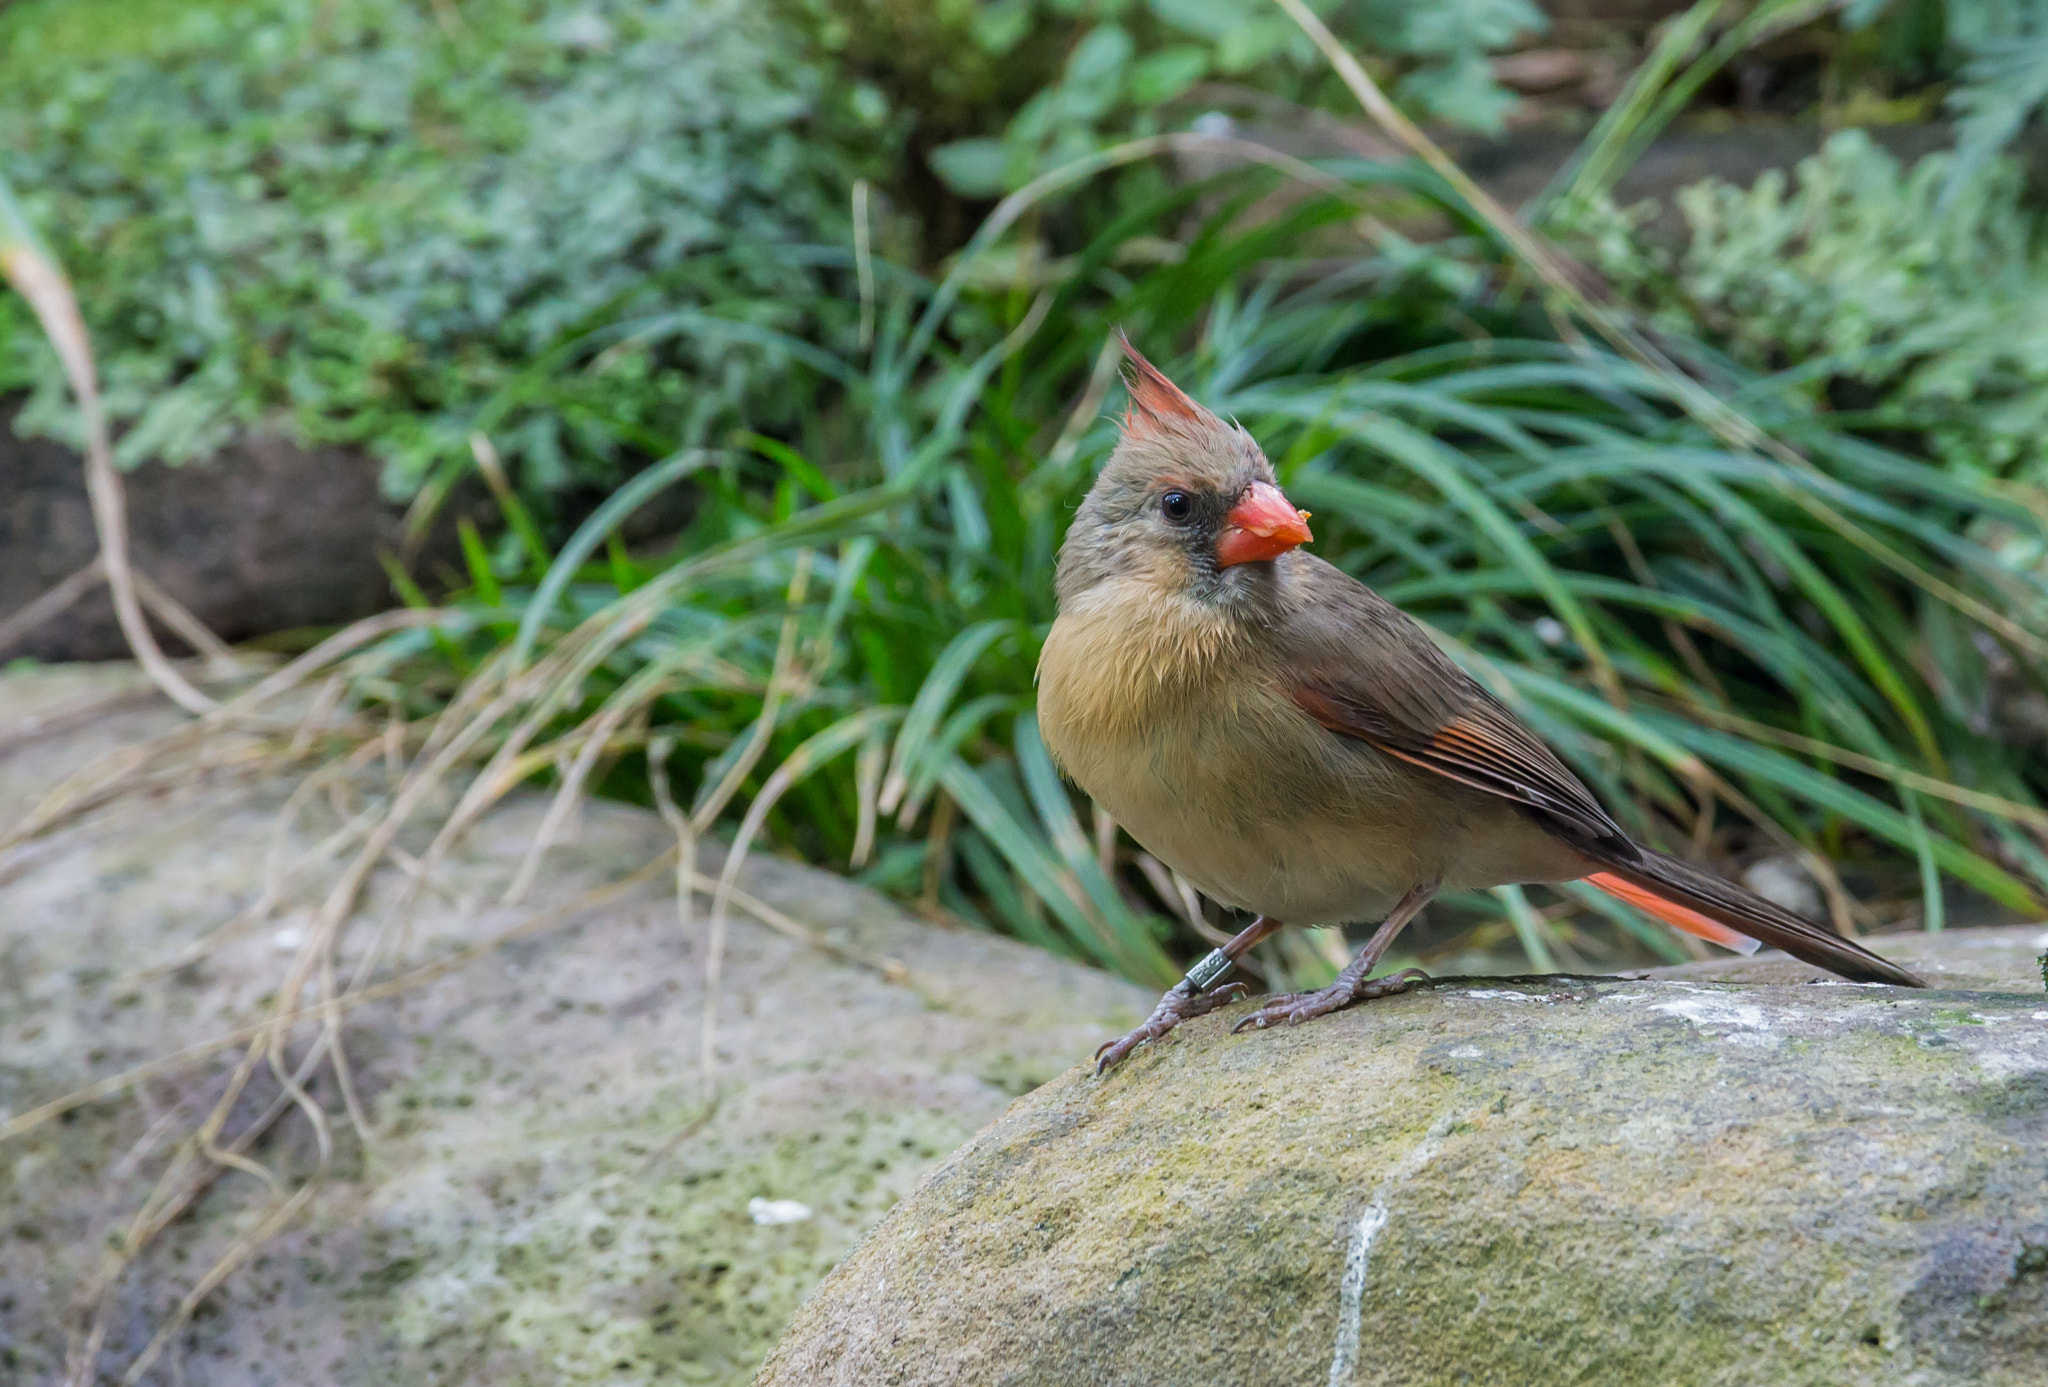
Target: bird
pixel 1300 749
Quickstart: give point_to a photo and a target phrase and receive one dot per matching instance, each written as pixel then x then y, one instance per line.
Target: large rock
pixel 548 1200
pixel 264 536
pixel 1667 1180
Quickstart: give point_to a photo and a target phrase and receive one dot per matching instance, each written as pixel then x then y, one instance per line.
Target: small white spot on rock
pixel 288 938
pixel 1715 1011
pixel 2010 1066
pixel 768 1212
pixel 1467 1052
pixel 1490 994
pixel 1651 1132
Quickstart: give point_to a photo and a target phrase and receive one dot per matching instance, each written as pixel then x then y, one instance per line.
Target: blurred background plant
pixel 749 255
pixel 1125 67
pixel 1907 301
pixel 388 219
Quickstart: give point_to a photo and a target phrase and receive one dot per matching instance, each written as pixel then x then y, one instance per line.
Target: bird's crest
pixel 1155 400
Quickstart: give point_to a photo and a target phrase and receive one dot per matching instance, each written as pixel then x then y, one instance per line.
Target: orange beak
pixel 1263 525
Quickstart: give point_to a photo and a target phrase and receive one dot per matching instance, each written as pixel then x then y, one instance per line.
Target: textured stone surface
pixel 1671 1180
pixel 266 536
pixel 547 1200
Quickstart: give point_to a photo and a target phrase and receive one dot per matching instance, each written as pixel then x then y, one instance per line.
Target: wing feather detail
pixel 1483 747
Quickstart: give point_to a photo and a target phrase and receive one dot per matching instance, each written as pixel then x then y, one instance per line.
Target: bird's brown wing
pixel 1486 748
pixel 1363 669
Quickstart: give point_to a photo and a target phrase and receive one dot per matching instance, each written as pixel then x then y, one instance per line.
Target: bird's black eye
pixel 1177 506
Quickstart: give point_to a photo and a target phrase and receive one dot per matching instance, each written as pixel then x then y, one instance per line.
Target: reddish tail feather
pixel 1701 903
pixel 1673 914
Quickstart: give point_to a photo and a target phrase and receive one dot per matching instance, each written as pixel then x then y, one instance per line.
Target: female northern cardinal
pixel 1297 747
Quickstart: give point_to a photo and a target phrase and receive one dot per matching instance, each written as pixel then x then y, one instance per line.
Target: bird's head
pixel 1186 506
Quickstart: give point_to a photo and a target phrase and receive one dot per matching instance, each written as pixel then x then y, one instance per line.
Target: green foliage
pixel 397 229
pixel 1718 664
pixel 1995 52
pixel 608 233
pixel 1125 61
pixel 2004 84
pixel 1931 304
pixel 596 231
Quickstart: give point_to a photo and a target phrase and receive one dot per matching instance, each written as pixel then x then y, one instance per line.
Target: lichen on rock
pixel 547 1199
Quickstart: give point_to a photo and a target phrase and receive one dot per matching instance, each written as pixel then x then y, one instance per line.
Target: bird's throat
pixel 1123 649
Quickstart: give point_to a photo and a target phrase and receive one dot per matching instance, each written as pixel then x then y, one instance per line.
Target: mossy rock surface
pixel 546 1200
pixel 1727 1174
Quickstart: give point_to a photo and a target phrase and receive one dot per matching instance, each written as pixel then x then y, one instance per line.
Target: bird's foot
pixel 1293 1008
pixel 1181 1003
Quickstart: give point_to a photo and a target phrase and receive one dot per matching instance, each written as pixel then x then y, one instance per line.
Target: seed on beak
pixel 1262 525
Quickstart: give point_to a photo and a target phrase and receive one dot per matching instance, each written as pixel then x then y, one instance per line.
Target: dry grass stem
pixel 52 604
pixel 780 682
pixel 37 278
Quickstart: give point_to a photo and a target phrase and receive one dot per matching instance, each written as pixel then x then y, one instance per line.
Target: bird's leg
pixel 1190 997
pixel 1352 986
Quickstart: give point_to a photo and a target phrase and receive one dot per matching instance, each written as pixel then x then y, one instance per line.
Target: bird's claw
pixel 1293 1008
pixel 1178 1005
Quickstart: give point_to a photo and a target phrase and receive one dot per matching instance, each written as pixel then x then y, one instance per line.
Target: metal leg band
pixel 1204 974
